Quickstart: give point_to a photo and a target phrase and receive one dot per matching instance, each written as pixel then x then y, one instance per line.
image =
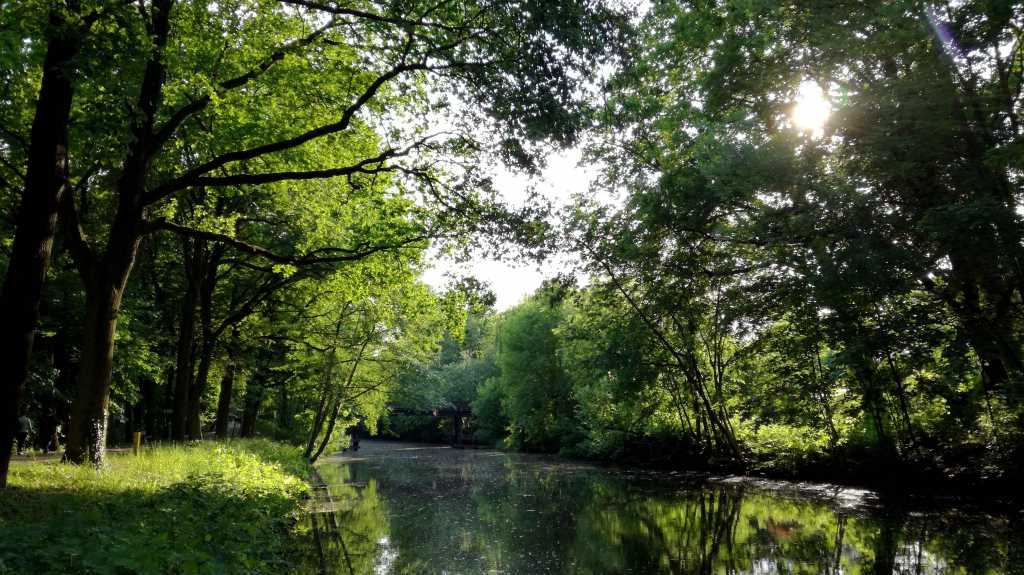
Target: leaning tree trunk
pixel 330 429
pixel 340 396
pixel 318 423
pixel 323 407
pixel 45 180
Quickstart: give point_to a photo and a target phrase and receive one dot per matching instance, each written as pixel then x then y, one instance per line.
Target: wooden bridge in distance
pixel 456 413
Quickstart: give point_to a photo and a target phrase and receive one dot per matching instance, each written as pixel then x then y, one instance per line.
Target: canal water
pixel 415 509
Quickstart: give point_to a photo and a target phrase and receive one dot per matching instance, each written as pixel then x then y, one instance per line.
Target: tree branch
pixel 367 166
pixel 179 117
pixel 363 167
pixel 74 237
pixel 372 16
pixel 190 177
pixel 313 257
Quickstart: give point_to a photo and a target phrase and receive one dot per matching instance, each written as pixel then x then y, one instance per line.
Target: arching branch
pixel 318 256
pixel 185 112
pixel 191 177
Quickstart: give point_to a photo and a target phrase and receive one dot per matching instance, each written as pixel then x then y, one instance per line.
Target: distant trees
pixel 531 385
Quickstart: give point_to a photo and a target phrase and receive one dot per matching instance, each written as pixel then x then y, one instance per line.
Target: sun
pixel 812 108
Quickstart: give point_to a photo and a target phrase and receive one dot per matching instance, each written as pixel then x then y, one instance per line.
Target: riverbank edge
pixel 847 491
pixel 225 507
pixel 896 485
pixel 852 492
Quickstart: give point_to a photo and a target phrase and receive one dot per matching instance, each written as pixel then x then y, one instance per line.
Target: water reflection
pixel 450 511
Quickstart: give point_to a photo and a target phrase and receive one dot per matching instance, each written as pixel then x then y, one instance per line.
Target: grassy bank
pixel 207 508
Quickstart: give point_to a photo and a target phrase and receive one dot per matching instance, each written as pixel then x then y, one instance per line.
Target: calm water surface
pixel 411 509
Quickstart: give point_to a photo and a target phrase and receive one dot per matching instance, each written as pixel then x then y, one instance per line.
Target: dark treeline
pixel 841 298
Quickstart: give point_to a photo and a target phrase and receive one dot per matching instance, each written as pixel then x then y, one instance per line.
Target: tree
pixel 921 137
pixel 44 153
pixel 536 396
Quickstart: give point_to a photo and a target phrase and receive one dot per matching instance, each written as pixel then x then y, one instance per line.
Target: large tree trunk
pixel 195 394
pixel 105 277
pixel 45 180
pixel 149 407
pixel 186 342
pixel 227 384
pixel 87 432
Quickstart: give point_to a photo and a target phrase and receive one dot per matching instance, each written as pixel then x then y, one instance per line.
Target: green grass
pixel 206 508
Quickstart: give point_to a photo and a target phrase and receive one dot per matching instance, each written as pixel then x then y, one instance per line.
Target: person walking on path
pixel 24 428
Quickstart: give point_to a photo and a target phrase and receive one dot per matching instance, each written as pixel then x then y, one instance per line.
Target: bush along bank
pixel 210 507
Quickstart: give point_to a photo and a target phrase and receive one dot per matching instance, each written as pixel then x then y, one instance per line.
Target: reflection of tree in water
pixel 622 531
pixel 509 516
pixel 354 536
pixel 486 517
pixel 954 542
pixel 724 530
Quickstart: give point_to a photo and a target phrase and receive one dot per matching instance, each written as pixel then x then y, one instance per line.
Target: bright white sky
pixel 510 281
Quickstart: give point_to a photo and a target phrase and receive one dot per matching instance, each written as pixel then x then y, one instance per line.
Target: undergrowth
pixel 211 507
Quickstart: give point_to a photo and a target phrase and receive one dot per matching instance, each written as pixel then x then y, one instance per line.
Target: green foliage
pixel 491 420
pixel 536 396
pixel 786 449
pixel 212 507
